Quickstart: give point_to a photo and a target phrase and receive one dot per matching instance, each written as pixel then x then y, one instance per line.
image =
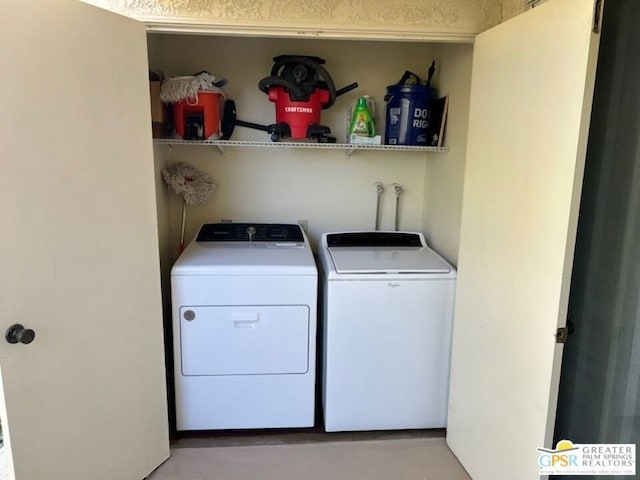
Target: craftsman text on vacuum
pixel 298 109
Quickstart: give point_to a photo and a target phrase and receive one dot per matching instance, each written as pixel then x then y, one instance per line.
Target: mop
pixel 176 89
pixel 195 187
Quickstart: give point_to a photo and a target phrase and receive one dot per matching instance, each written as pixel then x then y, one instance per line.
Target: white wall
pixel 286 185
pixel 445 173
pixel 165 240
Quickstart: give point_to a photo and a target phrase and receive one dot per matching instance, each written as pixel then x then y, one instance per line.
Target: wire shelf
pixel 348 148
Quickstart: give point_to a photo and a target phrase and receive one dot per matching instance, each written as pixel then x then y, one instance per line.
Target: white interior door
pixel 87 398
pixel 532 86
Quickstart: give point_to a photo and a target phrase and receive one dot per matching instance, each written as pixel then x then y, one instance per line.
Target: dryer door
pixel 244 340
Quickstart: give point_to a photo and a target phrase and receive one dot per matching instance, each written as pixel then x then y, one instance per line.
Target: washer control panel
pixel 250 232
pixel 375 239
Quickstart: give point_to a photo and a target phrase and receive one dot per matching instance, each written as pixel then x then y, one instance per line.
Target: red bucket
pixel 198 120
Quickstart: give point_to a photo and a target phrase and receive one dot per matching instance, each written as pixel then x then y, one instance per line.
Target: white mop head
pixel 195 186
pixel 176 89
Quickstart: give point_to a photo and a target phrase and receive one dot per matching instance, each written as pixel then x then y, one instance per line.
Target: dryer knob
pixel 18 334
pixel 251 231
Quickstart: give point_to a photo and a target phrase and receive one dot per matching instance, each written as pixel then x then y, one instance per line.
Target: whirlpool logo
pixel 393 284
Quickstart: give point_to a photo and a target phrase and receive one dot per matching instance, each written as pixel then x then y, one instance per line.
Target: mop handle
pixel 184 215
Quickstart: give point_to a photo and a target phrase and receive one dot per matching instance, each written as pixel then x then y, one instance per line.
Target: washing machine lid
pixel 383 252
pixel 225 249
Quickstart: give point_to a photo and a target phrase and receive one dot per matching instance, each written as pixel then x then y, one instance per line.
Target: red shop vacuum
pixel 301 88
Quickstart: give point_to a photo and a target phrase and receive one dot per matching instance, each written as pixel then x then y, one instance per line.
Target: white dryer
pixel 387 310
pixel 244 326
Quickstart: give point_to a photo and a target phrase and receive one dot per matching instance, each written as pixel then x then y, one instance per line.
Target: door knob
pixel 18 334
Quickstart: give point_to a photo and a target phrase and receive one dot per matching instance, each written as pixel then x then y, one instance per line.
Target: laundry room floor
pixel 421 455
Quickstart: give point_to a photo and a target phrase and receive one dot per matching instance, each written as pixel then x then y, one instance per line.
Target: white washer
pixel 387 309
pixel 244 326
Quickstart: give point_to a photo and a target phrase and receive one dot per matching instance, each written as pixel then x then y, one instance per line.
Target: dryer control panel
pixel 250 232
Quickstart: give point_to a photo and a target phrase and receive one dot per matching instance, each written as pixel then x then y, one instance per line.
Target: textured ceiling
pixel 457 16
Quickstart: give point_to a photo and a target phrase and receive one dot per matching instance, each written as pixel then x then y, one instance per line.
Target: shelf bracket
pixel 348 152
